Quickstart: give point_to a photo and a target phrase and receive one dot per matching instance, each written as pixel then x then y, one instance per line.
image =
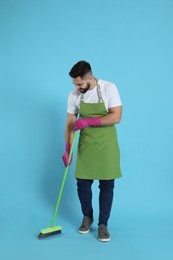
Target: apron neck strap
pixel 98 91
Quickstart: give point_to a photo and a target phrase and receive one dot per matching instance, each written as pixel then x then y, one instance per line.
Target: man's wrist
pixel 68 147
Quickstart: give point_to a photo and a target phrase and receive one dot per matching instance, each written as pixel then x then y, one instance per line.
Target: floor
pixel 134 238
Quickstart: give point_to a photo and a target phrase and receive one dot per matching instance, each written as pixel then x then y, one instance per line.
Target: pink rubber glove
pixel 66 155
pixel 85 122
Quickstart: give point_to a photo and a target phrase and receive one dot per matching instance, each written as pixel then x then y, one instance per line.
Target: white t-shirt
pixel 110 96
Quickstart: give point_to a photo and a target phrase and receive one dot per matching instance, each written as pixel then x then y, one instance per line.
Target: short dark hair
pixel 80 69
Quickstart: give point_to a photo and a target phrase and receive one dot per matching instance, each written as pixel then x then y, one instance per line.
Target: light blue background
pixel 127 42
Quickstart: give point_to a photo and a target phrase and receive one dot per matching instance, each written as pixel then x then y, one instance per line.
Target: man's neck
pixel 93 83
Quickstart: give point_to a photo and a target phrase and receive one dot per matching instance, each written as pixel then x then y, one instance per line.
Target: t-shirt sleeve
pixel 114 99
pixel 71 106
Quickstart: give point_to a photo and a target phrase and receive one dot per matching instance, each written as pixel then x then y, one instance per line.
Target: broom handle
pixel 63 182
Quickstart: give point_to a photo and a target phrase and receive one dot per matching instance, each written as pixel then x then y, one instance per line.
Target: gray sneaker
pixel 103 234
pixel 86 224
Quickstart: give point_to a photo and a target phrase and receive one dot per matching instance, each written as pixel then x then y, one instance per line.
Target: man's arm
pixel 69 131
pixel 114 116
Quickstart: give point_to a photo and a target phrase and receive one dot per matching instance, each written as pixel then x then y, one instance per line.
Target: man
pixel 98 158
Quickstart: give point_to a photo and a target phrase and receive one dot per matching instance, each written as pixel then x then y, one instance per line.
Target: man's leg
pixel 105 200
pixel 85 197
pixel 105 204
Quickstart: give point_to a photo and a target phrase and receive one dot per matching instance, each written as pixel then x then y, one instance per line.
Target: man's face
pixel 81 84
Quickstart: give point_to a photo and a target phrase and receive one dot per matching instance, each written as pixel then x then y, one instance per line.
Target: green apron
pixel 98 155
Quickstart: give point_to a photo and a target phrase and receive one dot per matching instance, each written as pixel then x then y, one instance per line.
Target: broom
pixel 53 230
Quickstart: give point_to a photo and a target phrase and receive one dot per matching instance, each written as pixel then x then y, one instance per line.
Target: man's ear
pixel 90 77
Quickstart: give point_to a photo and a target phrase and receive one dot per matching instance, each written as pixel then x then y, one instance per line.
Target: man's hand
pixel 86 122
pixel 66 155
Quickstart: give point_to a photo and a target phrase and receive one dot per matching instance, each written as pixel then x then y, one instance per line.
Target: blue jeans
pixel 105 198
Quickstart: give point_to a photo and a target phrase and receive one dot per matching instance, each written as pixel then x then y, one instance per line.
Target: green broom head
pixel 49 232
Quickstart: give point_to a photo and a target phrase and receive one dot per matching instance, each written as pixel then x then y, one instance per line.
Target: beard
pixel 84 90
